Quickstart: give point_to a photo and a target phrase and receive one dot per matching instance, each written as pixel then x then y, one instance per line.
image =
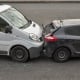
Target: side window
pixel 74 30
pixel 3 25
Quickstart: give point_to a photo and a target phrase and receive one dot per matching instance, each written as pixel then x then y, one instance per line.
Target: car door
pixel 5 38
pixel 73 37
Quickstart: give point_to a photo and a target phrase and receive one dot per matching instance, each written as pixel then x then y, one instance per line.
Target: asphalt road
pixel 39 69
pixel 45 13
pixel 43 68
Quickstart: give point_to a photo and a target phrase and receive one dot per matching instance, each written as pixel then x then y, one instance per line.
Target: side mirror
pixel 8 29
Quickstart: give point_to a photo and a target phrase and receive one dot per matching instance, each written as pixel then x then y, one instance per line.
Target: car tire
pixel 19 54
pixel 61 55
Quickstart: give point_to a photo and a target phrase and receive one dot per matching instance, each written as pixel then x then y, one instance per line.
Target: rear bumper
pixel 49 49
pixel 35 51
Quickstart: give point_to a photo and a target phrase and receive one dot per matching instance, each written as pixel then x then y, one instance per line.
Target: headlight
pixel 34 37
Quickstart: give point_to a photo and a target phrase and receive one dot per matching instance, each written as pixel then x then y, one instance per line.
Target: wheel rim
pixel 19 54
pixel 62 54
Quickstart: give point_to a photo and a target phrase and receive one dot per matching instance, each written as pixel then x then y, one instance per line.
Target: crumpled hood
pixel 35 29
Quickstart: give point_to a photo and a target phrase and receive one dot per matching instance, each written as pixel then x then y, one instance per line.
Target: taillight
pixel 50 38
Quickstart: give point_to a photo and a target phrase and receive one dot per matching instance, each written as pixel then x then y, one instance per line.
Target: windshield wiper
pixel 23 26
pixel 27 24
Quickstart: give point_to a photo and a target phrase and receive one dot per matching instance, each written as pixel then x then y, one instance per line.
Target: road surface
pixel 39 69
pixel 45 13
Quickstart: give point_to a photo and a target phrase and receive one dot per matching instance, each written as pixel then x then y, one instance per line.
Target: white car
pixel 20 38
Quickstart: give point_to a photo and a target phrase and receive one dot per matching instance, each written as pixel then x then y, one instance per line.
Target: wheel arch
pixel 62 47
pixel 21 46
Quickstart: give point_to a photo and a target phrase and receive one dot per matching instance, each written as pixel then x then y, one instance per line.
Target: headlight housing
pixel 34 37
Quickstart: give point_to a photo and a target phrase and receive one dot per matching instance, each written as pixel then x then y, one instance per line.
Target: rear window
pixel 49 28
pixel 73 30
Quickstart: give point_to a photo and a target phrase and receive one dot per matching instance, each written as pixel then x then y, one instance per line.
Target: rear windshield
pixel 50 28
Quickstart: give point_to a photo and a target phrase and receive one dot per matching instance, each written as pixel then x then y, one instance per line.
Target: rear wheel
pixel 19 54
pixel 61 55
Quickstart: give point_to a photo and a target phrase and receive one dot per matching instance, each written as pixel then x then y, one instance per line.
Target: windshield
pixel 15 18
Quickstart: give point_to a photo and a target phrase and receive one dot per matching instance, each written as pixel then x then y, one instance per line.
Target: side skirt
pixel 3 52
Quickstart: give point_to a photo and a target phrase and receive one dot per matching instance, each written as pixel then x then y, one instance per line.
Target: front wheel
pixel 61 55
pixel 19 54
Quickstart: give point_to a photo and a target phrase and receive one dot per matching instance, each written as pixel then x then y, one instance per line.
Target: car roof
pixel 66 22
pixel 4 7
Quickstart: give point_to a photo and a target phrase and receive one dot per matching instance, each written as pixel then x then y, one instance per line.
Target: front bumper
pixel 35 51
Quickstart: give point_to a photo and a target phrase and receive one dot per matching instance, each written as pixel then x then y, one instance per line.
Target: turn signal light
pixel 50 39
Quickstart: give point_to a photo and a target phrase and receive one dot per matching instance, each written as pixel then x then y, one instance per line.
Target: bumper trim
pixel 35 51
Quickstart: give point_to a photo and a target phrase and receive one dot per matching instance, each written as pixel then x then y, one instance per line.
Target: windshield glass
pixel 15 17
